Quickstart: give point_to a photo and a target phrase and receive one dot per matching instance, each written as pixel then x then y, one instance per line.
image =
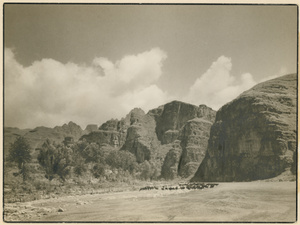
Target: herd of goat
pixel 184 186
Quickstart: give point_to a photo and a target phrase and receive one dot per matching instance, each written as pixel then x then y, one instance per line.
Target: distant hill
pixel 38 135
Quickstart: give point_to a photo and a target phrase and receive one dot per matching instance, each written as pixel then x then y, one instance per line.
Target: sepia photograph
pixel 150 112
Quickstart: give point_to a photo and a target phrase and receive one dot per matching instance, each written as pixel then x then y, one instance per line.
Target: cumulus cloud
pixel 217 86
pixel 51 93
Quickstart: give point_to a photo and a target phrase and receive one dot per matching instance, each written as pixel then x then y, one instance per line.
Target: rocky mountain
pixel 173 137
pixel 254 136
pixel 151 136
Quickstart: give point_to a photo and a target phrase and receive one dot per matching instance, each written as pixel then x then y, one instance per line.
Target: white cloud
pixel 282 71
pixel 217 86
pixel 51 93
pixel 146 98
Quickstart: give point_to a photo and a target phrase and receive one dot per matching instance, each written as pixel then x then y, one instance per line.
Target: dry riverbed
pixel 227 202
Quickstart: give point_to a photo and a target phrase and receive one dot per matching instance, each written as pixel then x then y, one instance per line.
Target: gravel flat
pixel 227 202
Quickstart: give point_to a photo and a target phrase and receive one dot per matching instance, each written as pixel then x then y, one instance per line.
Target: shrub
pixel 148 171
pixel 98 170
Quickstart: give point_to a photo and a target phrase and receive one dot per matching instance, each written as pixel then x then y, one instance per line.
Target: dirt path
pixel 228 202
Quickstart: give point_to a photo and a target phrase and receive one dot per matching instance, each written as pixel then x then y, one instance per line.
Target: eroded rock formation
pixel 254 136
pixel 153 135
pixel 189 125
pixel 174 116
pixel 194 140
pixel 113 132
pixel 169 169
pixel 141 138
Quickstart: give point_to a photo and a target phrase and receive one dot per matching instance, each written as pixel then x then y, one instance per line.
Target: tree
pixel 56 160
pixel 93 153
pixel 121 160
pixel 79 165
pixel 19 152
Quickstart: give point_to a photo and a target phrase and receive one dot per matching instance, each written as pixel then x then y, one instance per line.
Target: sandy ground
pixel 228 202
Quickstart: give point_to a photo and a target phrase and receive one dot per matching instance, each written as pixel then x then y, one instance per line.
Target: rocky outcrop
pixel 174 116
pixel 137 133
pixel 90 128
pixel 141 139
pixel 194 140
pixel 70 129
pixel 156 113
pixel 190 125
pixel 112 132
pixel 103 137
pixel 188 151
pixel 110 125
pixel 131 133
pixel 254 136
pixel 170 165
pixel 151 136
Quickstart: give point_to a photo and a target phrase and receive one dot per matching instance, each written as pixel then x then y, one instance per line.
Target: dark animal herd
pixel 189 186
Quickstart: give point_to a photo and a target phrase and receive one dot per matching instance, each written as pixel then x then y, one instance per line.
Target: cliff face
pixel 113 132
pixel 134 133
pixel 169 169
pixel 254 136
pixel 194 140
pixel 188 125
pixel 152 136
pixel 141 139
pixel 174 116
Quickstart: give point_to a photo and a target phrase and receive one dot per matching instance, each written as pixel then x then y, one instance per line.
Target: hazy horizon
pixel 91 63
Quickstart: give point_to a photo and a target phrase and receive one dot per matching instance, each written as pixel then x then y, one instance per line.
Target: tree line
pixel 65 160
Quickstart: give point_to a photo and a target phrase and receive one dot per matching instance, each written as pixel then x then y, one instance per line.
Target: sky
pixel 91 63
